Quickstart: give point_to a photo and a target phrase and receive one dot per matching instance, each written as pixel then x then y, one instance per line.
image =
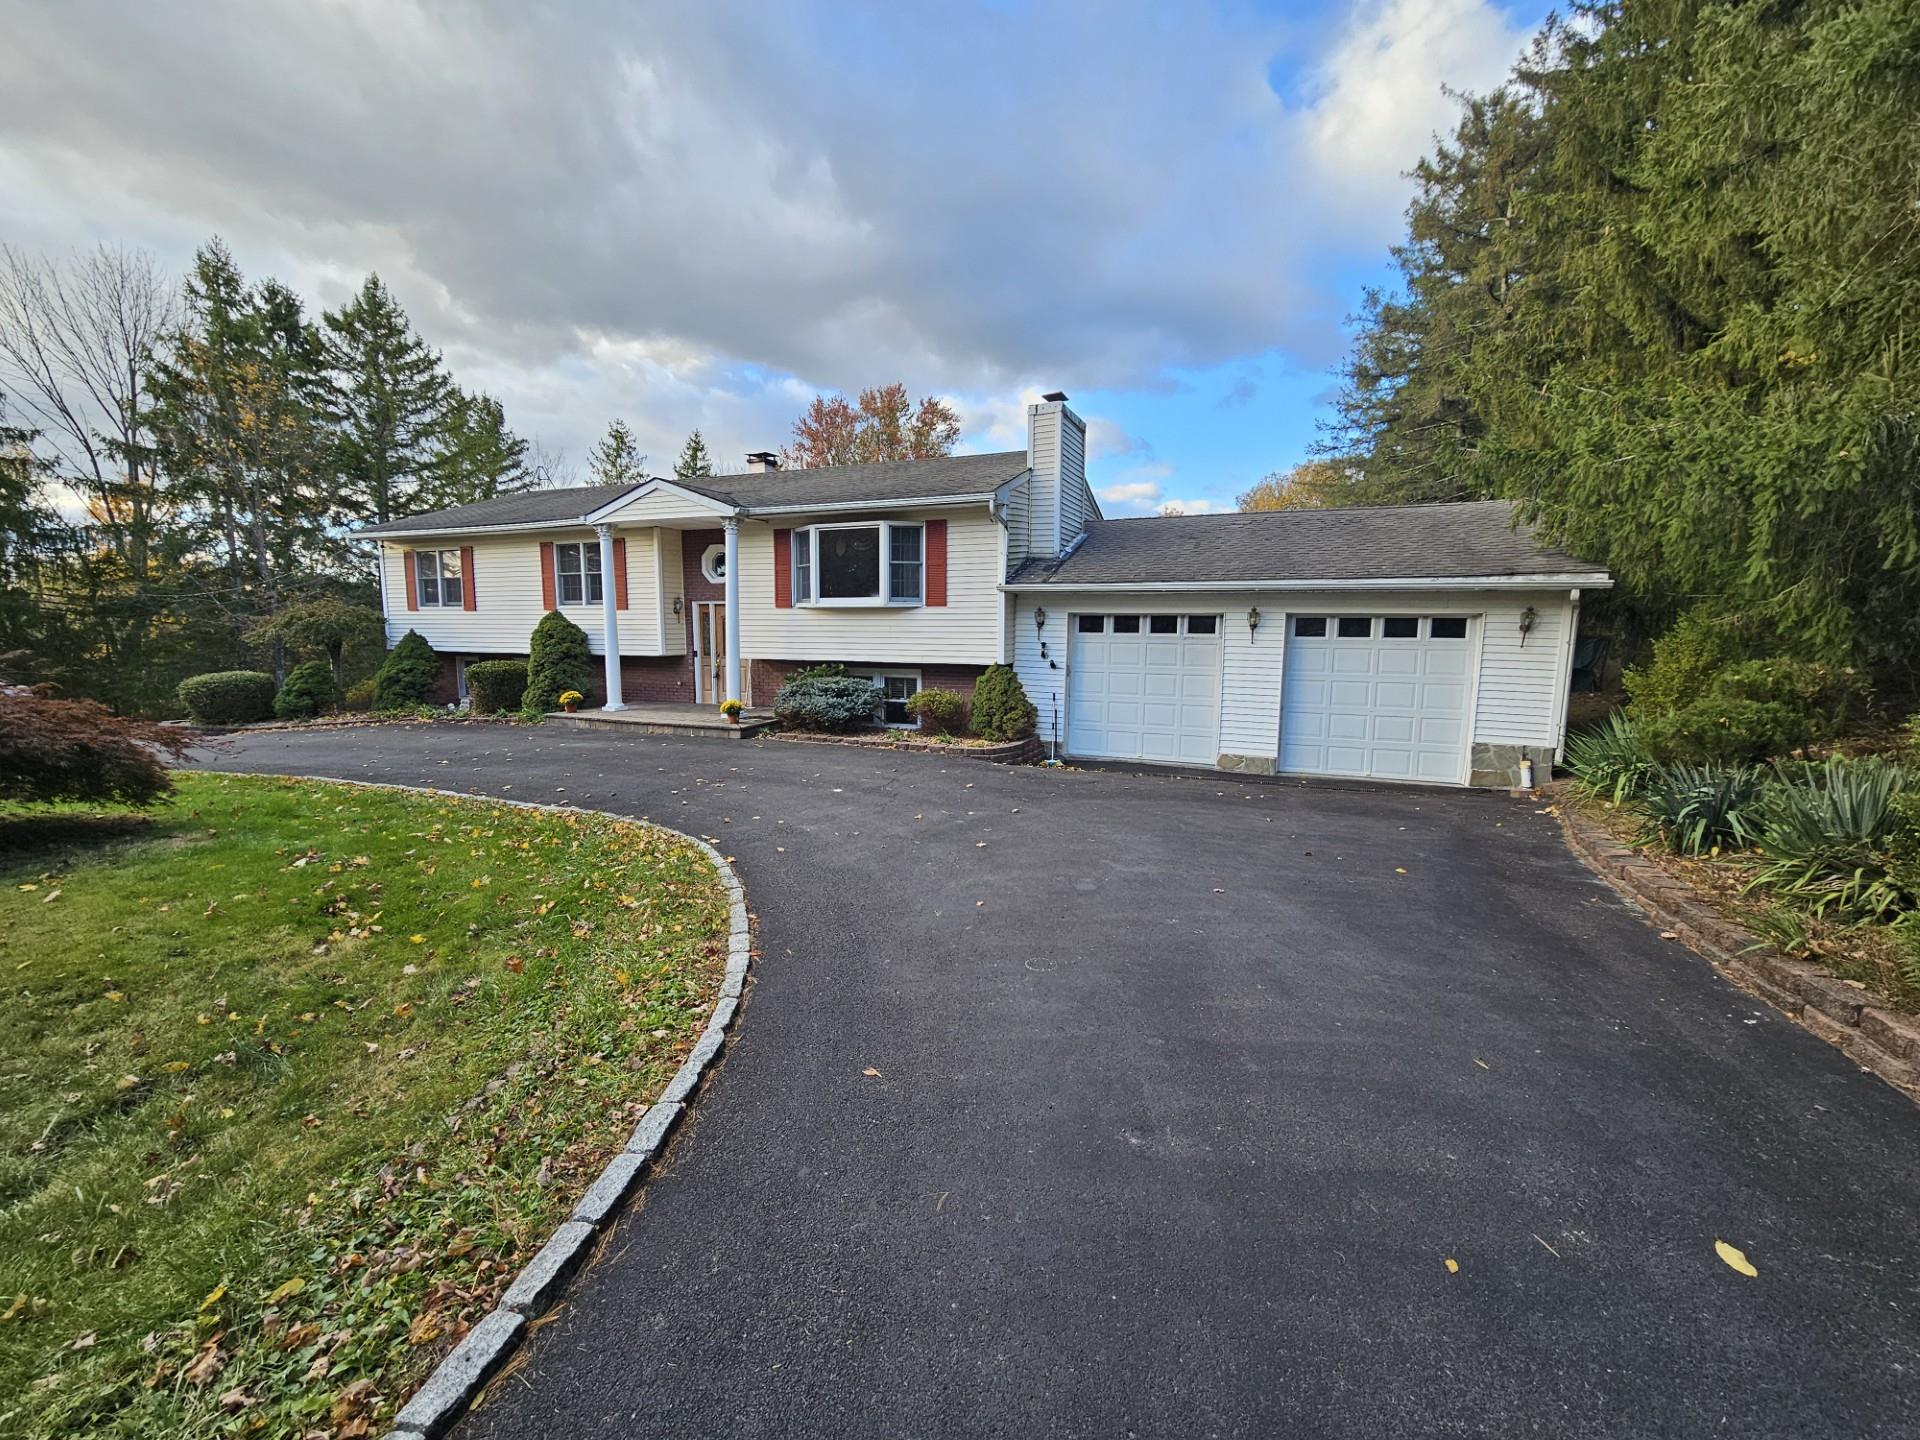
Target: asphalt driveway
pixel 1188 1089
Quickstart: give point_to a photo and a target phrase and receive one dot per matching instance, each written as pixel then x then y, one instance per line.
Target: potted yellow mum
pixel 731 709
pixel 570 700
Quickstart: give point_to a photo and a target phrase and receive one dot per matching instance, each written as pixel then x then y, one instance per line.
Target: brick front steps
pixel 1840 1012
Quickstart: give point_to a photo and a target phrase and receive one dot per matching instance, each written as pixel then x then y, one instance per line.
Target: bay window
pixel 576 573
pixel 876 563
pixel 437 575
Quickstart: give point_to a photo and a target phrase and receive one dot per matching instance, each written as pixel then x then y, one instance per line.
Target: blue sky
pixel 699 214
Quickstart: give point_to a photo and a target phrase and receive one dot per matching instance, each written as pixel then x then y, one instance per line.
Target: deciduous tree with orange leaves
pixel 884 425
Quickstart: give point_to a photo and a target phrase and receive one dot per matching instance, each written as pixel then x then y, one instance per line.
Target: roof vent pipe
pixel 759 462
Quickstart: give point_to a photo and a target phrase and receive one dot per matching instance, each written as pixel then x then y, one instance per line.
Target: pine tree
pixel 617 460
pixel 694 459
pixel 388 398
pixel 475 455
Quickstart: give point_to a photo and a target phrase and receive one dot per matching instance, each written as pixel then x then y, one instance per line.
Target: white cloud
pixel 1381 100
pixel 699 214
pixel 1133 492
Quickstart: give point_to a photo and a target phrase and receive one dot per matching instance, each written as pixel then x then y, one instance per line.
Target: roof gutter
pixel 1385 582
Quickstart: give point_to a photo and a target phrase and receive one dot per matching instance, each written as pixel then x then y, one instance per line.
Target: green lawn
pixel 293 1076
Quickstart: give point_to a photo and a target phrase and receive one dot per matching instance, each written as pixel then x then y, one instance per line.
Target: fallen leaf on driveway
pixel 1453 1266
pixel 1481 1063
pixel 1669 934
pixel 871 1071
pixel 1735 1258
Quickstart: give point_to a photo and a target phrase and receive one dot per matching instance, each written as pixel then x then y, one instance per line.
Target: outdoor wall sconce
pixel 1253 622
pixel 1527 617
pixel 1039 618
pixel 676 605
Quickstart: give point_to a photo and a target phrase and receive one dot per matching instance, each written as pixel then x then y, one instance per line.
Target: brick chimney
pixel 759 462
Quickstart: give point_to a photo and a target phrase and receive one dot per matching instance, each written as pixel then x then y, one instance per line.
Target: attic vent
pixel 761 461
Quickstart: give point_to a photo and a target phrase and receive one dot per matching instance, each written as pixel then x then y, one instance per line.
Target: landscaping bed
pixel 1002 752
pixel 299 1075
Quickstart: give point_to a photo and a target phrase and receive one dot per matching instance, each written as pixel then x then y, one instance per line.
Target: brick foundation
pixel 770 675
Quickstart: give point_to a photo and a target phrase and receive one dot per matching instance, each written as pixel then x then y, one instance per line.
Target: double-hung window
pixel 878 563
pixel 437 575
pixel 576 573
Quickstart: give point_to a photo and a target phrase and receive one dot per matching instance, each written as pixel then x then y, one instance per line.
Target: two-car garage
pixel 1380 696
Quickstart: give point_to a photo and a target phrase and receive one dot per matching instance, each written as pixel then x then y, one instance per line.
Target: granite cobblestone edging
pixel 444 1395
pixel 1840 1013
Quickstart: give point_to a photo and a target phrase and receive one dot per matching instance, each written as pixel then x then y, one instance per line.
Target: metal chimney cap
pixel 1055 397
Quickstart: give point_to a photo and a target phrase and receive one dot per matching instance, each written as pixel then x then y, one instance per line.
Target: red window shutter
pixel 413 582
pixel 619 573
pixel 783 569
pixel 467 602
pixel 546 575
pixel 936 562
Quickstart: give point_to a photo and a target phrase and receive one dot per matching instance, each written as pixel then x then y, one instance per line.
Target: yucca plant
pixel 1609 760
pixel 1699 809
pixel 1825 832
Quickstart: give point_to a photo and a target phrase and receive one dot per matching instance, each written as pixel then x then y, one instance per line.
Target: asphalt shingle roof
pixel 1474 538
pixel 945 478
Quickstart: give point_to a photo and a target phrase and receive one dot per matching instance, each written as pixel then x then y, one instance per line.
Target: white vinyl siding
pixel 1015 514
pixel 1519 696
pixel 1076 500
pixel 964 631
pixel 507 595
pixel 663 504
pixel 1043 498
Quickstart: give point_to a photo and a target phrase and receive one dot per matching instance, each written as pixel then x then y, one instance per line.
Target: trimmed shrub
pixel 557 659
pixel 1701 643
pixel 496 685
pixel 78 750
pixel 228 697
pixel 359 695
pixel 1001 710
pixel 829 670
pixel 834 703
pixel 1756 710
pixel 938 710
pixel 309 691
pixel 406 675
pixel 1696 809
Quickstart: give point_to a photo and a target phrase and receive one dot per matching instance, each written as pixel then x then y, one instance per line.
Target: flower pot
pixel 570 706
pixel 733 719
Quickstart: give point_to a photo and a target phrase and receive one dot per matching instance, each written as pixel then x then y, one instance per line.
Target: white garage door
pixel 1383 696
pixel 1145 687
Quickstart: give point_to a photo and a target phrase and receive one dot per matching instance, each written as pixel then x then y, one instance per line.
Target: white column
pixel 609 617
pixel 733 607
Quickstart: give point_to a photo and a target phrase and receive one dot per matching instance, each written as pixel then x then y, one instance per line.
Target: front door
pixel 709 651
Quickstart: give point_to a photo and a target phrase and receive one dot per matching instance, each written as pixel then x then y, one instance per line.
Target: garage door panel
pixel 1367 705
pixel 1146 697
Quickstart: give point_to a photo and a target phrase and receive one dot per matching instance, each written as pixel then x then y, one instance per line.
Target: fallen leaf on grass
pixel 1735 1258
pixel 86 1341
pixel 204 1366
pixel 288 1290
pixel 51 896
pixel 213 1298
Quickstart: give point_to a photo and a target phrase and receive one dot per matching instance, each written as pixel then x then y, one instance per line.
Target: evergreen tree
pixel 694 459
pixel 476 456
pixel 1660 291
pixel 617 460
pixel 388 397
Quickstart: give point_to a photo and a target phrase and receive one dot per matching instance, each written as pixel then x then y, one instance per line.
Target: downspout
pixel 1566 677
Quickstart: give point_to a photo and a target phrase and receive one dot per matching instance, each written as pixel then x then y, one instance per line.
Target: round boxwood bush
pixel 1001 710
pixel 309 691
pixel 496 685
pixel 406 675
pixel 832 703
pixel 228 697
pixel 557 661
pixel 941 711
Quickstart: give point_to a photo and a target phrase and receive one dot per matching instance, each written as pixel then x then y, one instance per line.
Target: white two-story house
pixel 1429 643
